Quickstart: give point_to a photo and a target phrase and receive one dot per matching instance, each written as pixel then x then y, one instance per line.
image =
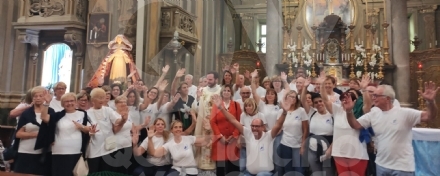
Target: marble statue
pixel 118 65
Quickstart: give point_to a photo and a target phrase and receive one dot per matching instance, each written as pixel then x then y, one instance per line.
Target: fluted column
pixel 274 48
pixel 400 47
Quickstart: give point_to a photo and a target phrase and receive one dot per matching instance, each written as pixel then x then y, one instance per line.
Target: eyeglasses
pixel 255 126
pixel 60 88
pixel 246 93
pixel 377 96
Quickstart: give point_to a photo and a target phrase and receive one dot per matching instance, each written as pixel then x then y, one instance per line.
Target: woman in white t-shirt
pixel 180 148
pixel 295 132
pixel 280 85
pixel 27 160
pixel 321 133
pixel 67 129
pixel 349 153
pixel 103 142
pixel 116 91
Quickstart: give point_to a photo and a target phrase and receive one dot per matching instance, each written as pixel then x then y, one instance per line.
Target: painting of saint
pixel 98 28
pixel 317 10
pixel 118 65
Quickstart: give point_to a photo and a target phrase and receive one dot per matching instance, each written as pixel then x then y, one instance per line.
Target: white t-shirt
pixel 104 118
pixel 260 91
pixel 111 104
pixel 246 120
pixel 334 98
pixel 158 142
pixel 27 145
pixel 68 138
pixel 192 90
pixel 55 105
pixel 123 137
pixel 164 113
pixel 270 112
pixel 135 115
pixel 182 154
pixel 280 95
pixel 320 124
pixel 393 129
pixel 346 141
pixel 292 127
pixel 150 111
pixel 396 103
pixel 259 152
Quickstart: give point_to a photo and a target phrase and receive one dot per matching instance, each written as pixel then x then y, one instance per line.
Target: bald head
pixel 257 121
pixel 245 93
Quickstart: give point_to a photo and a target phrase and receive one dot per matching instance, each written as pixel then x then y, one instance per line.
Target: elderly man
pixel 192 89
pixel 297 85
pixel 259 144
pixel 393 128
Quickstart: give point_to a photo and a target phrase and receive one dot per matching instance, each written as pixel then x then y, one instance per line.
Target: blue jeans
pixel 291 160
pixel 381 171
pixel 242 161
pixel 277 160
pixel 319 168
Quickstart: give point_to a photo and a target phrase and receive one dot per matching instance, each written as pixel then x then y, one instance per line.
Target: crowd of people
pixel 219 127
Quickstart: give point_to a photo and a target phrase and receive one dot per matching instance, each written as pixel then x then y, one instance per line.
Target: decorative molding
pixel 31 37
pixel 46 8
pixel 81 9
pixel 76 38
pixel 427 9
pixel 175 19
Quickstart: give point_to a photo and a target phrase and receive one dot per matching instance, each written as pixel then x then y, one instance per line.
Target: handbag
pixel 81 168
pixel 110 143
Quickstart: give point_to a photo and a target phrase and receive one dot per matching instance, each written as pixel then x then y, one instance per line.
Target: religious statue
pixel 117 65
pixel 203 127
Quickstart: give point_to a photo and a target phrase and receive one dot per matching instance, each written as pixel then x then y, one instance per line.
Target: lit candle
pixel 359 40
pixel 91 34
pixel 240 46
pixel 96 34
pixel 244 45
pixel 380 43
pixel 430 45
pixel 385 10
pixel 436 43
pixel 366 10
pixel 377 40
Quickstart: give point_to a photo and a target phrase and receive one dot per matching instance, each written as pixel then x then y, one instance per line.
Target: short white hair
pixel 388 91
pixel 189 75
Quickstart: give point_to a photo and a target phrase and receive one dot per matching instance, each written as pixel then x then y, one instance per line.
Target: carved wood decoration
pixel 174 18
pixel 46 8
pixel 246 58
pixel 430 60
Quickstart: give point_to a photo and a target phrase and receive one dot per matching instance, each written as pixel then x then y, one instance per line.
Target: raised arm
pixel 304 103
pixel 285 83
pixel 218 102
pixel 254 86
pixel 366 96
pixel 119 123
pixel 160 151
pixel 348 105
pixel 322 91
pixel 161 88
pixel 279 124
pixel 191 128
pixel 162 77
pixel 236 67
pixel 45 117
pixel 147 101
pixel 125 94
pixel 176 80
pixel 137 151
pixel 429 95
pixel 18 111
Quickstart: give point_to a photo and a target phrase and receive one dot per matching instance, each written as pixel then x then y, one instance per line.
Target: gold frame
pixel 107 23
pixel 309 28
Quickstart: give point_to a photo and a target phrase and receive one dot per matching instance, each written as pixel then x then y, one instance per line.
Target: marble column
pixel 274 49
pixel 400 47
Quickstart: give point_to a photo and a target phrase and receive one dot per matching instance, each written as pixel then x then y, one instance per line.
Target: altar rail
pixel 429 60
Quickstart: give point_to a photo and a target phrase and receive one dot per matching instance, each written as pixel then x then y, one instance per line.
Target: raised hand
pixel 176 97
pixel 47 96
pixel 430 91
pixel 134 136
pixel 365 81
pixel 163 85
pixel 283 76
pixel 77 125
pixel 254 73
pixel 236 66
pixel 347 102
pixel 247 74
pixel 286 104
pixel 217 100
pixel 132 73
pixel 151 131
pixel 165 69
pixel 199 92
pixel 180 72
pixel 124 113
pixel 131 87
pixel 321 77
pixel 146 121
pixel 307 82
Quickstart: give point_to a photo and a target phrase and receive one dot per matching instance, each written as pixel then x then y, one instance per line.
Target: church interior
pixel 46 41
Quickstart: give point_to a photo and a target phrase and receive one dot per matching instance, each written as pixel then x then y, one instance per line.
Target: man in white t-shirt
pixel 393 128
pixel 192 89
pixel 259 144
pixel 297 85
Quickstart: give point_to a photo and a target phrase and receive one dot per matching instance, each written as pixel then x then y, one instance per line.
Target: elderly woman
pixel 103 142
pixel 66 132
pixel 59 90
pixel 83 101
pixel 28 159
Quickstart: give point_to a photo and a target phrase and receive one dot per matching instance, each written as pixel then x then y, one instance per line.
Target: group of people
pixel 219 127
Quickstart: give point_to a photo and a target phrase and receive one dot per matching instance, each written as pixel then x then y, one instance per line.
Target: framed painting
pixel 317 10
pixel 98 28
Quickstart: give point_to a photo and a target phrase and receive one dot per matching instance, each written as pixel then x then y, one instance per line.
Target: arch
pixel 57 65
